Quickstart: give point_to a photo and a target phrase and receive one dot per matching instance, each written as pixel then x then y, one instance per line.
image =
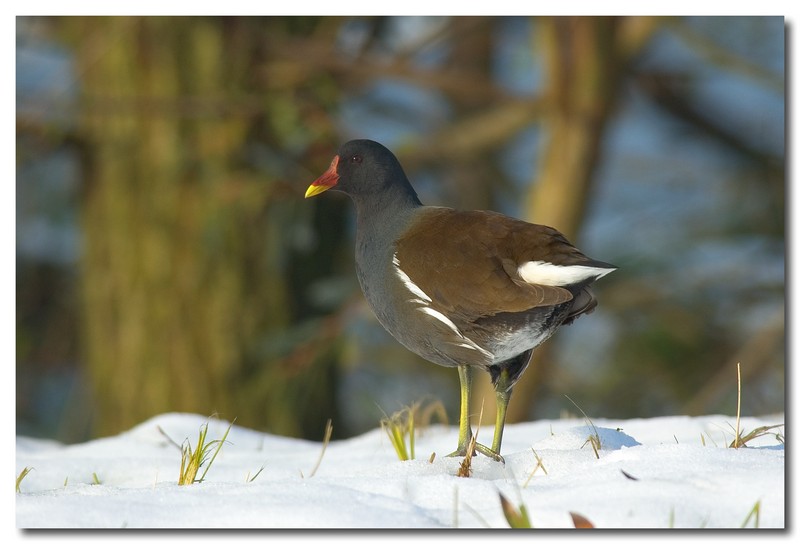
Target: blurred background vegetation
pixel 167 261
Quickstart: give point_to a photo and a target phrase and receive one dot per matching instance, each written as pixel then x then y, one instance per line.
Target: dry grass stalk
pixel 325 440
pixel 465 468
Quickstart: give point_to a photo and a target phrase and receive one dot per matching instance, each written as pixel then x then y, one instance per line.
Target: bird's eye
pixel 356 159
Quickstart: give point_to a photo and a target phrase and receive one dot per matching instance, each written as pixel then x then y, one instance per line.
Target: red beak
pixel 325 181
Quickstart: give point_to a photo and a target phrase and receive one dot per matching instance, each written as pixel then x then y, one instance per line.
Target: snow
pixel 651 473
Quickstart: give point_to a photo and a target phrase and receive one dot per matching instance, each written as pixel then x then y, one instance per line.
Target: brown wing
pixel 467 261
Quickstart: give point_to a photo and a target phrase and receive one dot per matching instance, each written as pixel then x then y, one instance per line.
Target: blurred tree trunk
pixel 582 75
pixel 471 175
pixel 182 245
pixel 584 59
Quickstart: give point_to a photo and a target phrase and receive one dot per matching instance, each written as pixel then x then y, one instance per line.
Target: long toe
pixel 484 450
pixel 490 453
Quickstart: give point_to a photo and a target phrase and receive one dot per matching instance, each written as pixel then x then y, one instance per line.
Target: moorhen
pixel 464 289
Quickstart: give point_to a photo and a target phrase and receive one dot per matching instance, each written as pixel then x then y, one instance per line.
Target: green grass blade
pixel 754 512
pixel 21 476
pixel 219 443
pixel 411 433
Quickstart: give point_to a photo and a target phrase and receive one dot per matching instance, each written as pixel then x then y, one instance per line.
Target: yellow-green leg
pixel 503 384
pixel 503 397
pixel 464 427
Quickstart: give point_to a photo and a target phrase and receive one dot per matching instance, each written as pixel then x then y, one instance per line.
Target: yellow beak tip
pixel 314 190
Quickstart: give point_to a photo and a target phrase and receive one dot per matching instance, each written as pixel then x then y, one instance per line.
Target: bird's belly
pixel 508 335
pixel 435 339
pixel 508 345
pixel 474 344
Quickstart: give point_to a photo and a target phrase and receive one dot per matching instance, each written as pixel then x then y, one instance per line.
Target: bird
pixel 471 289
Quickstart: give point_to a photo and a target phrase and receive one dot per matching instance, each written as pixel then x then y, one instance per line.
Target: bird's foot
pixel 479 448
pixel 490 453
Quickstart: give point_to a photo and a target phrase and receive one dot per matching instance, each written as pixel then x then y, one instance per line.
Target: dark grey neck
pixel 382 216
pixel 380 220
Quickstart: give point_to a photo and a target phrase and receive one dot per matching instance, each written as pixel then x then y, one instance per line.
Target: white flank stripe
pixel 544 273
pixel 423 299
pixel 467 342
pixel 420 294
pixel 476 347
pixel 443 318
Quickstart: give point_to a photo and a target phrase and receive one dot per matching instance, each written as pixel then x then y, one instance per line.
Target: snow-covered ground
pixel 651 473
